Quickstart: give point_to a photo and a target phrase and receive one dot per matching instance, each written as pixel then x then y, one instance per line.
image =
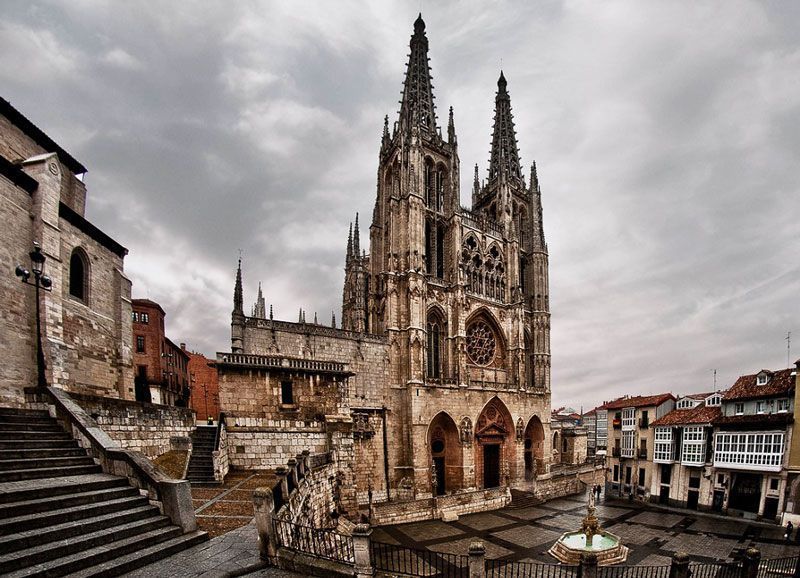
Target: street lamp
pixel 40 281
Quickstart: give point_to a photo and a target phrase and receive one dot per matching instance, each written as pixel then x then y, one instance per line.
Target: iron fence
pixel 718 570
pixel 509 569
pixel 322 543
pixel 778 567
pixel 633 572
pixel 400 560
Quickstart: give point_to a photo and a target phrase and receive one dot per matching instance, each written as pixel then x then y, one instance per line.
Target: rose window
pixel 481 344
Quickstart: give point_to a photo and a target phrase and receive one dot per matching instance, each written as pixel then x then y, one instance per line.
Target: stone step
pixel 23 411
pixel 27 418
pixel 70 564
pixel 28 453
pixel 47 518
pixel 13 438
pixel 12 492
pixel 61 501
pixel 129 562
pixel 34 474
pixel 83 541
pixel 44 463
pixel 31 426
pixel 30 538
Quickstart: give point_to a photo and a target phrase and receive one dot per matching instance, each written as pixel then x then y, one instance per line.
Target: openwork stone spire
pixel 416 108
pixel 238 299
pixel 504 160
pixel 539 243
pixel 259 308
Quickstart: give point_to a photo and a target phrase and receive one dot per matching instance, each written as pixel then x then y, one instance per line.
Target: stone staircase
pixel 522 499
pixel 60 515
pixel 201 465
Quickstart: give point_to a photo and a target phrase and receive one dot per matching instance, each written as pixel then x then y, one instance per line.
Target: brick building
pixel 439 379
pixel 204 385
pixel 86 318
pixel 161 367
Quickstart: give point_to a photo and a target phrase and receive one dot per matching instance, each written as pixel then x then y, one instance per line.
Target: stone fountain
pixel 591 538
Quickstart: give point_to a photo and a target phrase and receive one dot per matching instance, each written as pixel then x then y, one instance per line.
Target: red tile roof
pixel 696 415
pixel 640 401
pixel 780 382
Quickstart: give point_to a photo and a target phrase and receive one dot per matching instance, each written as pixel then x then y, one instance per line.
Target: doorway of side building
pixel 746 492
pixel 666 480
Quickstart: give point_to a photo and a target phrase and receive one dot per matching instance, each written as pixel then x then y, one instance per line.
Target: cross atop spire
pixel 356 240
pixel 417 108
pixel 504 160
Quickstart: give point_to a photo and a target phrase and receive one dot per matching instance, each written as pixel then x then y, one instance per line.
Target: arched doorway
pixel 494 452
pixel 446 460
pixel 534 448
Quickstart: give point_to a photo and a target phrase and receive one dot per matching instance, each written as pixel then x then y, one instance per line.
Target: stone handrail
pixel 173 497
pixel 281 362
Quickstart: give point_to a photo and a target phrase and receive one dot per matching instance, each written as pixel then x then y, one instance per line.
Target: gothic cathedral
pixel 439 377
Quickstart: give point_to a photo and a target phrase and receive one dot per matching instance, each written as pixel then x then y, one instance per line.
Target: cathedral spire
pixel 349 244
pixel 333 319
pixel 238 300
pixel 259 308
pixel 504 160
pixel 356 240
pixel 451 128
pixel 539 244
pixel 417 108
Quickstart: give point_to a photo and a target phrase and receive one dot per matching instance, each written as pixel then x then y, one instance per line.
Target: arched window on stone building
pixel 79 275
pixel 437 332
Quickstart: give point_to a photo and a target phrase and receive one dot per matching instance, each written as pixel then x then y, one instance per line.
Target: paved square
pixel 652 534
pixel 485 521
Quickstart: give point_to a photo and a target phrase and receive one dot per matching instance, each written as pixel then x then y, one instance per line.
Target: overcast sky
pixel 666 135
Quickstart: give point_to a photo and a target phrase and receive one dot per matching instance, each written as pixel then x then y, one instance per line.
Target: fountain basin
pixel 606 546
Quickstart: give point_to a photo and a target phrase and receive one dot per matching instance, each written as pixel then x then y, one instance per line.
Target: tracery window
pixel 481 343
pixel 484 274
pixel 436 334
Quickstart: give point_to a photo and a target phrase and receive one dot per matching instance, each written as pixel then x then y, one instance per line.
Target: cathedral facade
pixel 438 380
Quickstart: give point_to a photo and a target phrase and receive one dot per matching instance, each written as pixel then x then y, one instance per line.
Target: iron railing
pixel 318 542
pixel 715 570
pixel 777 567
pixel 509 569
pixel 633 572
pixel 404 561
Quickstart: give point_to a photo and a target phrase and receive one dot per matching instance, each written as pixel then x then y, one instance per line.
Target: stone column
pixel 361 551
pixel 752 558
pixel 264 509
pixel 679 566
pixel 477 561
pixel 589 565
pixel 291 466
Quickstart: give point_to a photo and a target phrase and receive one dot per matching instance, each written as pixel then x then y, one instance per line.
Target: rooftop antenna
pixel 715 379
pixel 788 348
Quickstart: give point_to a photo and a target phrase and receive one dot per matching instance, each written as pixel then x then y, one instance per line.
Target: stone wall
pixel 86 342
pixel 267 444
pixel 447 507
pixel 137 426
pixel 313 501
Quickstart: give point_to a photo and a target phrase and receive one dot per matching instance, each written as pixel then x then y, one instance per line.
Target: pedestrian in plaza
pixel 788 534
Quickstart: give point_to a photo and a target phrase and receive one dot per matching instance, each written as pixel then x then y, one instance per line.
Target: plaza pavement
pixel 652 534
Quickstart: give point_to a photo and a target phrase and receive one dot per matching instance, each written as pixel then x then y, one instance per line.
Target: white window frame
pixel 629 418
pixel 664 446
pixel 714 401
pixel 783 405
pixel 762 379
pixel 693 446
pixel 738 408
pixel 761 406
pixel 628 446
pixel 761 450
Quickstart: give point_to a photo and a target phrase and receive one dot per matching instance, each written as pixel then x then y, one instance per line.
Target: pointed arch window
pixel 79 275
pixel 435 347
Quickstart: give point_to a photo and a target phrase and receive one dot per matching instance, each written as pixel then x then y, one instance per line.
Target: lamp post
pixel 40 281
